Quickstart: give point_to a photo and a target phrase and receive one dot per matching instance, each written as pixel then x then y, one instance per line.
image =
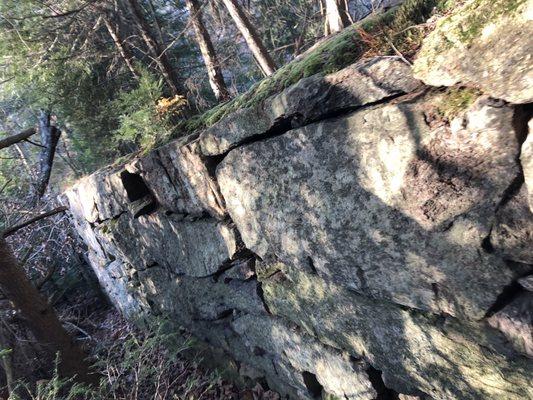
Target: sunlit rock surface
pixel 485 44
pixel 382 205
pixel 337 242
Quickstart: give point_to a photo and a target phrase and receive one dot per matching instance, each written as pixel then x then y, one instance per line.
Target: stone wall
pixel 340 239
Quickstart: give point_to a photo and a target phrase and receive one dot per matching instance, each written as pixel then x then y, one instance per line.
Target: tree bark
pixel 155 48
pixel 19 137
pixel 49 138
pixel 119 44
pixel 214 72
pixel 259 51
pixel 336 16
pixel 41 317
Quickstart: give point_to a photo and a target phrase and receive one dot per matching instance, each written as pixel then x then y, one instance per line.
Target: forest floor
pixel 143 364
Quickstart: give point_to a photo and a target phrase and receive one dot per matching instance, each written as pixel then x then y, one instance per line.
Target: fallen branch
pixel 11 230
pixel 19 137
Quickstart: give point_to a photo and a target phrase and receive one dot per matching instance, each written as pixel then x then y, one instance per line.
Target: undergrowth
pixel 138 365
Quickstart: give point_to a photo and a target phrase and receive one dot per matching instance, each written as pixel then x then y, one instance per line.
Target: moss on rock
pixel 331 55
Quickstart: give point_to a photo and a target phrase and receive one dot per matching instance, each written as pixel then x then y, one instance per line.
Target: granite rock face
pixel 485 44
pixel 335 242
pixel 391 210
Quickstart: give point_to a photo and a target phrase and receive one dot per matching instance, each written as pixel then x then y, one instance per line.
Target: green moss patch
pixel 456 100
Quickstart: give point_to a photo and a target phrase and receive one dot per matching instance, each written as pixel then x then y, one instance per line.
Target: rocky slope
pixel 344 238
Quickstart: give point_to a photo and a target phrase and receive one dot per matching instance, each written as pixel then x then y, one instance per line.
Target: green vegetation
pixel 455 100
pixel 145 115
pixel 144 365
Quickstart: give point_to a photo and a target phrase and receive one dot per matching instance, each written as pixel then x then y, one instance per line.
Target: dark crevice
pixel 312 384
pixel 134 185
pixel 521 117
pixel 435 289
pixel 486 243
pixel 261 295
pixel 312 266
pixel 512 189
pixel 211 163
pixel 287 123
pixel 225 314
pixel 509 293
pixel 376 379
pixel 259 351
pixel 242 255
pixel 520 269
pixel 99 221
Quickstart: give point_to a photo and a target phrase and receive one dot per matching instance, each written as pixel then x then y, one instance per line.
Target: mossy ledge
pixel 388 30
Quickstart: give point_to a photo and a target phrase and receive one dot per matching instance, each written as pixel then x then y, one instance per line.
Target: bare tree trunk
pixel 336 15
pixel 251 37
pixel 41 317
pixel 324 16
pixel 155 48
pixel 214 72
pixel 156 22
pixel 19 137
pixel 119 44
pixel 49 138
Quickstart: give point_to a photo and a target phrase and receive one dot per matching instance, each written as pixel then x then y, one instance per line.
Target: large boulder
pixel 381 204
pixel 169 241
pixel 484 44
pixel 305 358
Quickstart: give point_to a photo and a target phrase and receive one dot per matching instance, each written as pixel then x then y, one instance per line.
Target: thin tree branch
pixel 11 230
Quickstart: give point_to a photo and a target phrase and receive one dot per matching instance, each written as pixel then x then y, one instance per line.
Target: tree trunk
pixel 336 15
pixel 19 137
pixel 41 317
pixel 214 72
pixel 49 138
pixel 251 37
pixel 119 44
pixel 155 48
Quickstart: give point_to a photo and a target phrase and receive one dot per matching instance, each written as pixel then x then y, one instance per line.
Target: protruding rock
pixel 443 357
pixel 515 321
pixel 310 99
pixel 526 158
pixel 180 179
pixel 485 44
